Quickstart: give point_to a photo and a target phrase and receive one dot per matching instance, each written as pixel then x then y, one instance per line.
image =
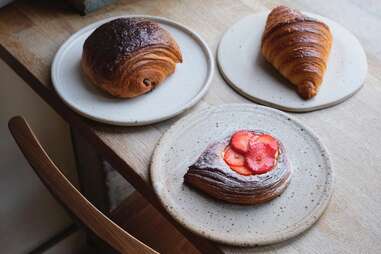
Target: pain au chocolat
pixel 240 171
pixel 298 47
pixel 128 57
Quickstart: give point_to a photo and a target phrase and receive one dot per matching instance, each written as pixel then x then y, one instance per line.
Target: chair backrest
pixel 68 195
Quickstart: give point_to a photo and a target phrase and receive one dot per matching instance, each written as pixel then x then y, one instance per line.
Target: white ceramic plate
pixel 245 69
pixel 294 211
pixel 177 93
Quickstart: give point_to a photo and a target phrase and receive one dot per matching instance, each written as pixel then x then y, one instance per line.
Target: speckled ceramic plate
pixel 244 68
pixel 177 93
pixel 301 204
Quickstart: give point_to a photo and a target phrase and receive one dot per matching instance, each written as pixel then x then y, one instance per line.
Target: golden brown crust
pixel 298 47
pixel 213 176
pixel 127 57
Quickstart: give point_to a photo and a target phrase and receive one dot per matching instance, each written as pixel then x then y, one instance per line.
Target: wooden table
pixel 31 32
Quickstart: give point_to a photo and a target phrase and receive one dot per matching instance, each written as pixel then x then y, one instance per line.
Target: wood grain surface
pixel 32 31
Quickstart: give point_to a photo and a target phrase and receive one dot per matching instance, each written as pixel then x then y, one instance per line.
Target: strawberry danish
pixel 248 167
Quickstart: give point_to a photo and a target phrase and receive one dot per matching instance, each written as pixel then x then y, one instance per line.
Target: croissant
pixel 128 57
pixel 298 47
pixel 211 175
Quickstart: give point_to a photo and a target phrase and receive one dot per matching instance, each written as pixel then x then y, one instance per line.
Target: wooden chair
pixel 134 215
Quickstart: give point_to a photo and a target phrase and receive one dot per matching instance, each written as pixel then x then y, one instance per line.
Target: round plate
pixel 294 211
pixel 178 92
pixel 245 69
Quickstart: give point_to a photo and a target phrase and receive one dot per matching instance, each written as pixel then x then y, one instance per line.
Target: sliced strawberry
pixel 232 158
pixel 240 141
pixel 242 170
pixel 266 139
pixel 261 158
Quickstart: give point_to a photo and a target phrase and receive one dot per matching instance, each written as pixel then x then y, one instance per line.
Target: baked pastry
pixel 128 57
pixel 249 167
pixel 298 47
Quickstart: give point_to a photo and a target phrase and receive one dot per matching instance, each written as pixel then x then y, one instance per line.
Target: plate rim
pixel 192 102
pixel 300 227
pixel 276 105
